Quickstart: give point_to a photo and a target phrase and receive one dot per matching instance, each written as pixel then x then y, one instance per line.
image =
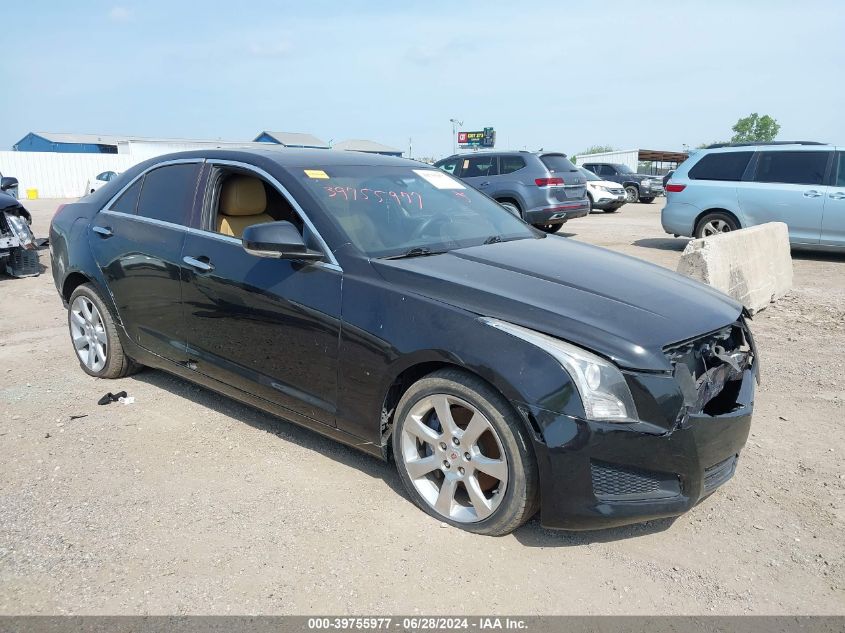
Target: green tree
pixel 597 149
pixel 754 128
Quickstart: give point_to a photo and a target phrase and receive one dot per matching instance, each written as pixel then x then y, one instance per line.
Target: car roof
pixel 504 152
pixel 778 146
pixel 295 157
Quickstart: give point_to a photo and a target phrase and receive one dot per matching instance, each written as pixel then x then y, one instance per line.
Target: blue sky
pixel 557 75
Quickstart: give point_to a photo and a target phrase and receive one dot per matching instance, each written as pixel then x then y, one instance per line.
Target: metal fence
pixel 57 175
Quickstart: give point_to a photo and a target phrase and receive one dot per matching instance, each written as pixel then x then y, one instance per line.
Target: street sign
pixel 484 138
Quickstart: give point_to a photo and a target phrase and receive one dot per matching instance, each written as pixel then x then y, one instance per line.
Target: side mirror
pixel 277 239
pixel 7 182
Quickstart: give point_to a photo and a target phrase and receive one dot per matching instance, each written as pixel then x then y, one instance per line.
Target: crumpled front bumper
pixel 599 475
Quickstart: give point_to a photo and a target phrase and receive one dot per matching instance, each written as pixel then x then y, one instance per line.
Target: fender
pixel 368 365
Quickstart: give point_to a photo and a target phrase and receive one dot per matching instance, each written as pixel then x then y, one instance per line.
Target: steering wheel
pixel 439 218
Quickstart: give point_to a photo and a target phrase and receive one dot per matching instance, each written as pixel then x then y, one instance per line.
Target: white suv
pixel 603 194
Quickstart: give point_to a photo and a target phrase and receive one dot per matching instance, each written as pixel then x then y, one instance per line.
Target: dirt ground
pixel 188 502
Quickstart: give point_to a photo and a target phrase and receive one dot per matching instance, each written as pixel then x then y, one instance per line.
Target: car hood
pixel 8 202
pixel 618 306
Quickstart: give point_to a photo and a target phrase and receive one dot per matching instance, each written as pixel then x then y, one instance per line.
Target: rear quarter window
pixel 510 164
pixel 128 200
pixel 721 166
pixel 168 193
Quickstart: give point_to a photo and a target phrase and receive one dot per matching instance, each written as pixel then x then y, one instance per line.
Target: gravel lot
pixel 188 502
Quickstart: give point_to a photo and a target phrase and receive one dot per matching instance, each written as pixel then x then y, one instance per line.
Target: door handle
pixel 812 193
pixel 103 231
pixel 205 267
pixel 485 184
pixel 839 195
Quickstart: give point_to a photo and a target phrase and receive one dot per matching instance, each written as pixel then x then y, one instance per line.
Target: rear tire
pixel 486 449
pixel 549 228
pixel 714 224
pixel 93 334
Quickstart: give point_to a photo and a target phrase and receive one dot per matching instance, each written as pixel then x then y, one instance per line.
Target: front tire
pixel 590 203
pixel 714 224
pixel 463 455
pixel 647 200
pixel 632 194
pixel 93 334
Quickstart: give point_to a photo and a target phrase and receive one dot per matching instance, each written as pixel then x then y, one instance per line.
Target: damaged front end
pixel 710 369
pixel 18 256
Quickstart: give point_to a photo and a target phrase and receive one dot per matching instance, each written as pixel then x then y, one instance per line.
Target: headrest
pixel 243 195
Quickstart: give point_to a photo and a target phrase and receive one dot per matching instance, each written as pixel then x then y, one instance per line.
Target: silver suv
pixel 727 187
pixel 543 188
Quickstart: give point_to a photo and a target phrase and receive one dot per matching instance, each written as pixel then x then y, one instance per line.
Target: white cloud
pixel 120 14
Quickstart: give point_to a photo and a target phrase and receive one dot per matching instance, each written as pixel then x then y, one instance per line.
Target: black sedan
pixel 385 304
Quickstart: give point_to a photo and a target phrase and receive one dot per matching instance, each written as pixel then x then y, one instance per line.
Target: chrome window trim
pixel 332 264
pixel 291 200
pixel 175 161
pixel 202 233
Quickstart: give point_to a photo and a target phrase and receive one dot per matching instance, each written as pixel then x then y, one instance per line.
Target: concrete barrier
pixel 753 265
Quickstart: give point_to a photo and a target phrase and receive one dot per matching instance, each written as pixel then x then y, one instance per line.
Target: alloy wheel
pixel 454 458
pixel 714 227
pixel 88 333
pixel 631 194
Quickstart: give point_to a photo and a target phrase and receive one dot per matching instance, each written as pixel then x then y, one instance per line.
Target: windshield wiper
pixel 493 239
pixel 417 251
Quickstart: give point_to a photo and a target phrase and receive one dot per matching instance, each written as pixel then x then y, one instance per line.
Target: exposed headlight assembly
pixel 602 387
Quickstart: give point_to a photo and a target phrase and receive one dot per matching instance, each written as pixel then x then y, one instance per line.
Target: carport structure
pixel 648 161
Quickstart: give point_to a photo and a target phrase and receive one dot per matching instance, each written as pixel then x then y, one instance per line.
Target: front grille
pixel 716 475
pixel 619 483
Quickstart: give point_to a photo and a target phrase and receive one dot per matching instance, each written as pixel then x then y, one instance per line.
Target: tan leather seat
pixel 243 202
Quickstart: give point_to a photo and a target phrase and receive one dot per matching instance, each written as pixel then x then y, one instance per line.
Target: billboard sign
pixel 484 138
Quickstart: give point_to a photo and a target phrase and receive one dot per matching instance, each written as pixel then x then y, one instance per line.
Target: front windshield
pixel 389 210
pixel 588 174
pixel 624 169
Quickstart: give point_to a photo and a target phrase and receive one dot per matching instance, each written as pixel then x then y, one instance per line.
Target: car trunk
pixel 574 185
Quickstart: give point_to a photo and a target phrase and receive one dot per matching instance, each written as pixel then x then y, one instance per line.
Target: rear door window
pixel 721 166
pixel 128 200
pixel 478 166
pixel 168 193
pixel 557 163
pixel 797 168
pixel 510 164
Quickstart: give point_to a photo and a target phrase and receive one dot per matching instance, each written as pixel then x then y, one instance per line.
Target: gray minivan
pixel 727 187
pixel 544 188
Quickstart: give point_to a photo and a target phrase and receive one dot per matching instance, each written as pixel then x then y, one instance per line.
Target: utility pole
pixel 410 147
pixel 455 125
